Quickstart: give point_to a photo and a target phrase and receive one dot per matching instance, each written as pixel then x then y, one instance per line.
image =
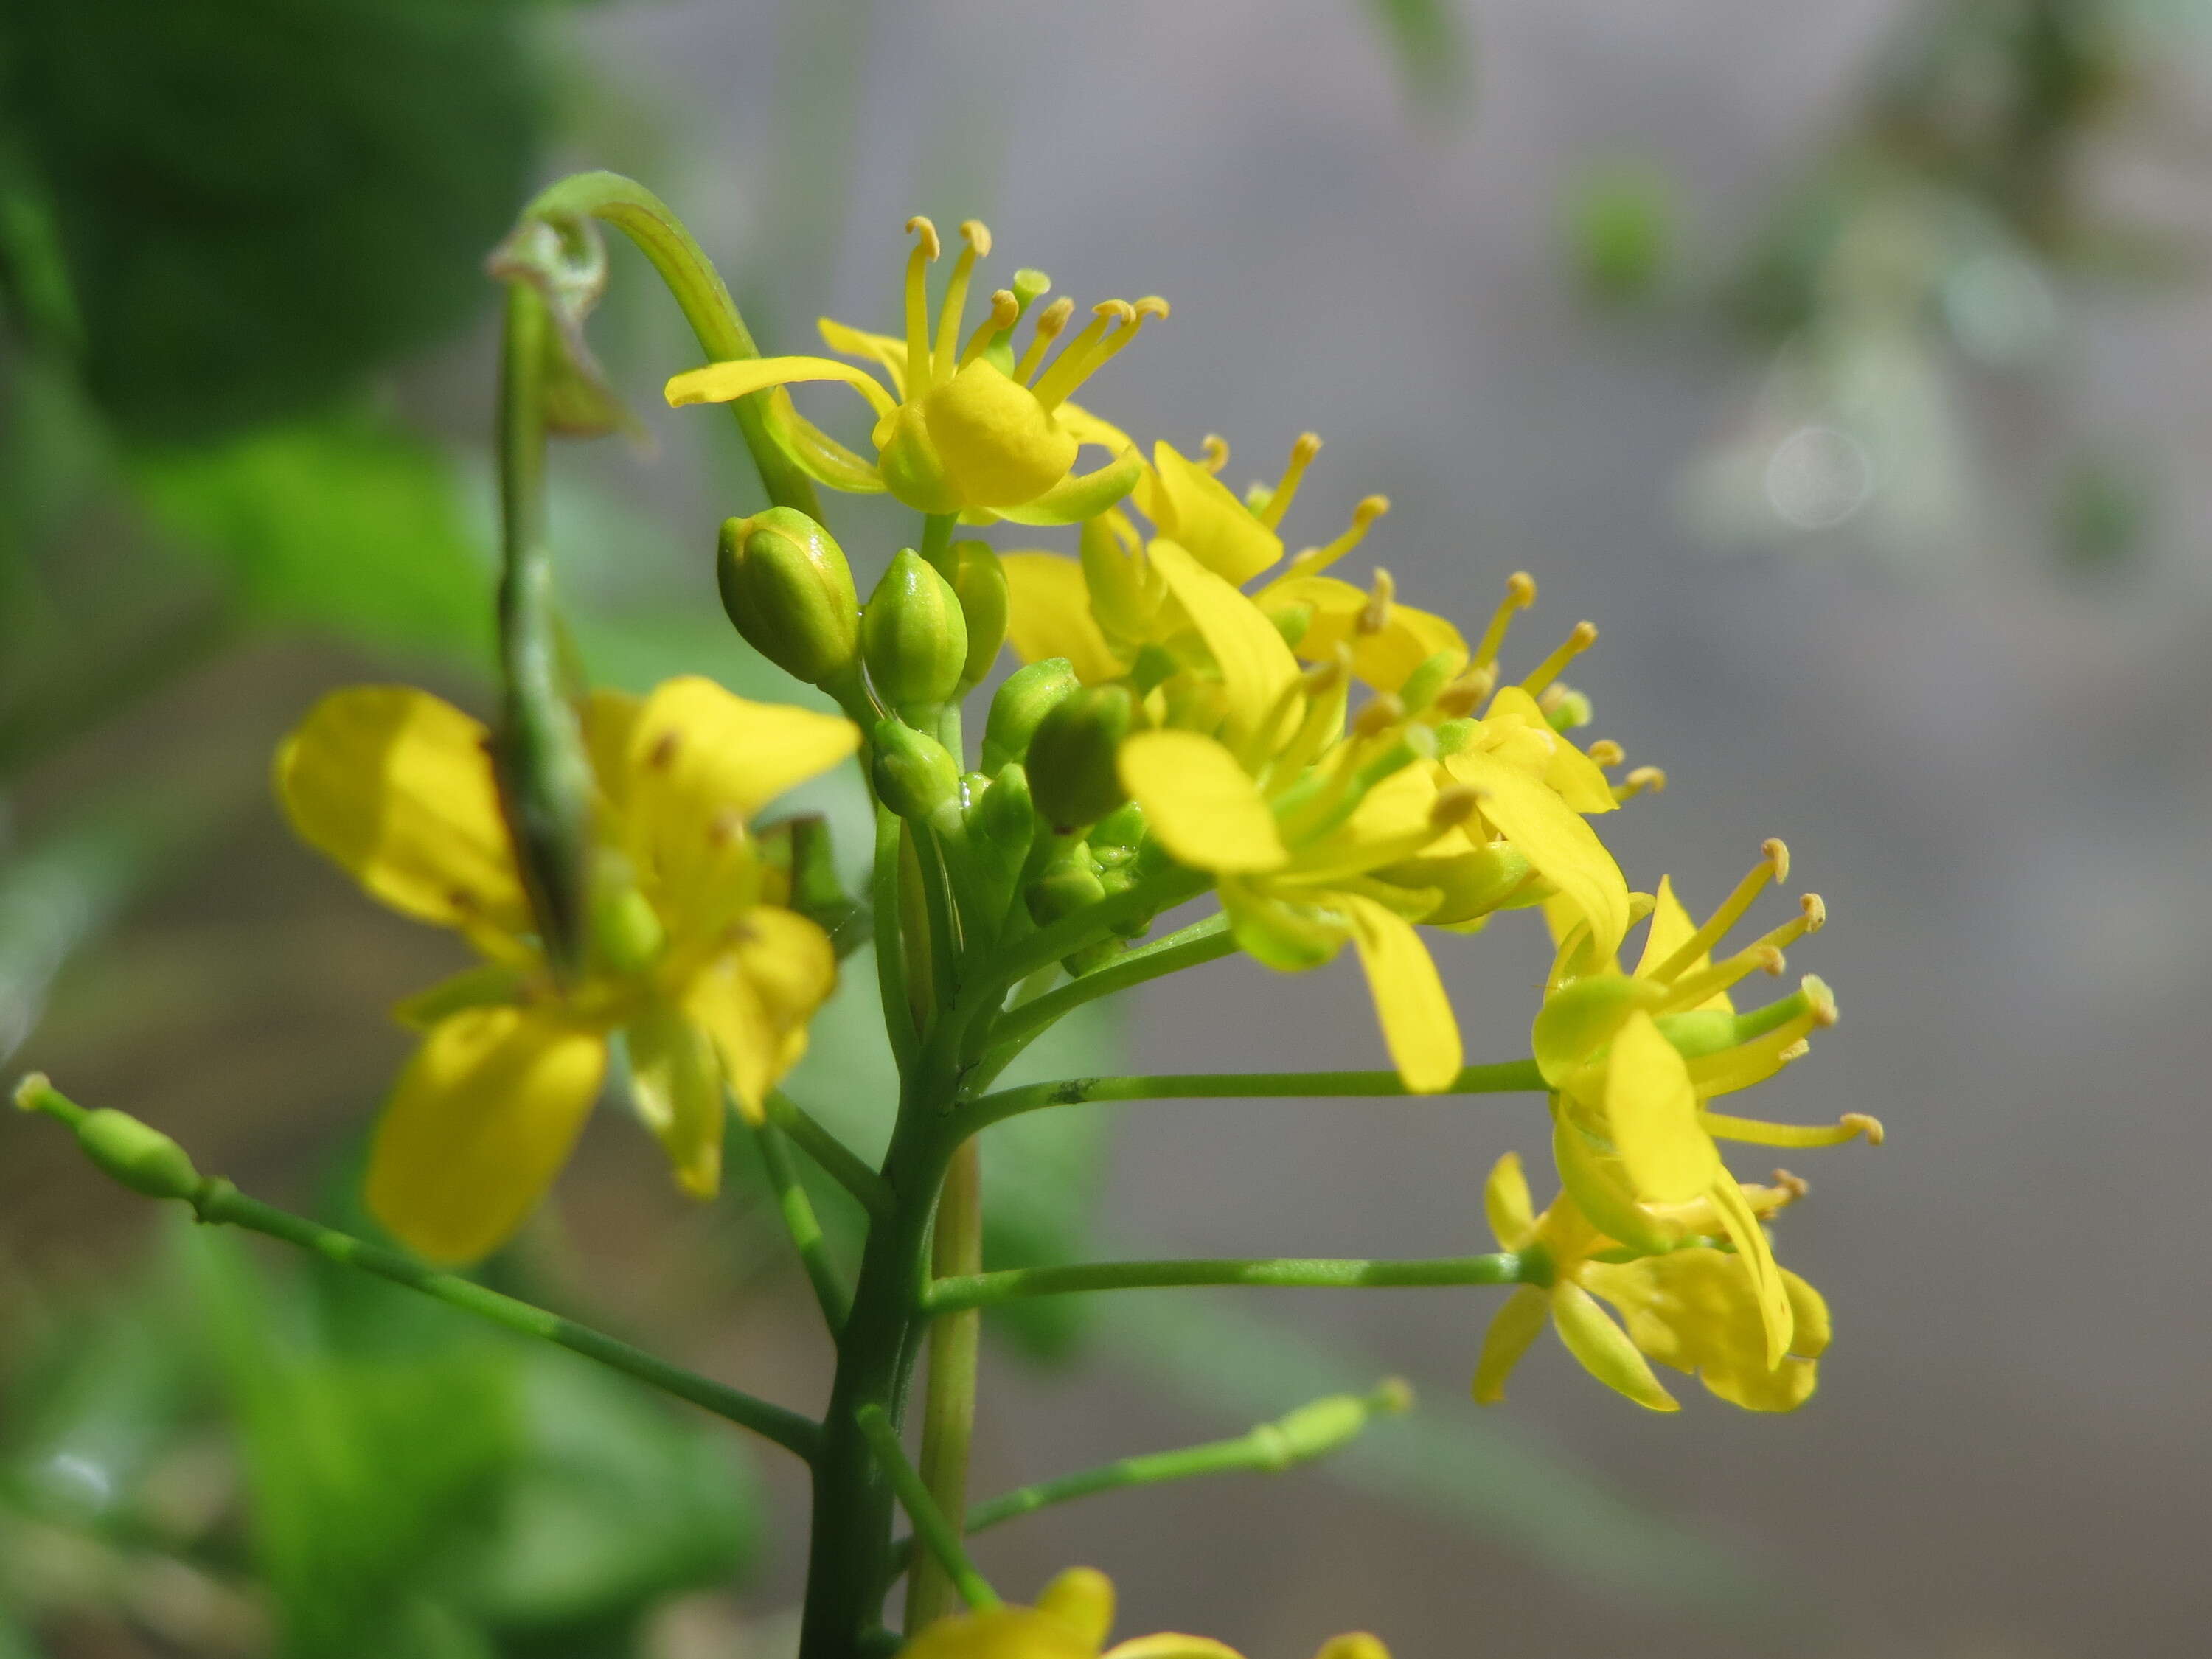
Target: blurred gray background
pixel 1991 763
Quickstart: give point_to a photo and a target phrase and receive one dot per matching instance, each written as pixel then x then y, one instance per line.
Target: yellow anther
pixel 1327 674
pixel 1153 306
pixel 1084 353
pixel 1053 318
pixel 1302 453
pixel 1867 1126
pixel 1773 867
pixel 1382 713
pixel 1643 778
pixel 1816 912
pixel 977 235
pixel 929 247
pixel 1213 453
pixel 1778 854
pixel 662 755
pixel 1520 594
pixel 1583 637
pixel 1795 1186
pixel 1606 752
pixel 1466 694
pixel 1375 615
pixel 1005 310
pixel 1455 803
pixel 926 248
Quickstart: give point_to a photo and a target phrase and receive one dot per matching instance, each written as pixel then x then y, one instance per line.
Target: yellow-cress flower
pixel 1632 1058
pixel 964 428
pixel 1696 1307
pixel 1071 1620
pixel 693 958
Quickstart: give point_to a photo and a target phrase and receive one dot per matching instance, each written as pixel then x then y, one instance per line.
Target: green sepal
pixel 1080 496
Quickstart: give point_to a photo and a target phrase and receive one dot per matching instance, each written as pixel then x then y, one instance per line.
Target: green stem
pixel 930 1525
pixel 1205 941
pixel 1508 1077
pixel 937 542
pixel 217 1202
pixel 804 1228
pixel 648 221
pixel 948 1410
pixel 890 952
pixel 834 1159
pixel 1291 1273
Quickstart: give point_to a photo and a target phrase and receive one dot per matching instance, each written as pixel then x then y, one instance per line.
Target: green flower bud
pixel 914 774
pixel 915 639
pixel 1566 710
pixel 980 582
pixel 1073 776
pixel 1067 883
pixel 787 589
pixel 136 1154
pixel 1029 695
pixel 1002 813
pixel 1116 838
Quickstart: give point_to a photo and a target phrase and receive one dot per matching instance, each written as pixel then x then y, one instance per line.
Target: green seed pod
pixel 1029 695
pixel 1073 776
pixel 915 639
pixel 914 774
pixel 1067 883
pixel 136 1154
pixel 787 589
pixel 980 582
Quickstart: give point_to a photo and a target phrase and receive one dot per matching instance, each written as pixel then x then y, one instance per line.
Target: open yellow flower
pixel 1632 1058
pixel 1071 1620
pixel 964 428
pixel 1697 1309
pixel 693 958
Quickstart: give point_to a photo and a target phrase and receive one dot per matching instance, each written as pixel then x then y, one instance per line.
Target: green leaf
pixel 342 524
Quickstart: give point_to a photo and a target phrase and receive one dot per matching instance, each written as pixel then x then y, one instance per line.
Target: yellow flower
pixel 1071 1620
pixel 1633 1059
pixel 963 428
pixel 693 960
pixel 1696 1307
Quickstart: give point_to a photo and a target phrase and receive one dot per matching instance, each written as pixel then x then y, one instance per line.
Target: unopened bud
pixel 1119 833
pixel 1003 814
pixel 1565 708
pixel 914 774
pixel 1029 695
pixel 787 589
pixel 980 582
pixel 1073 774
pixel 915 639
pixel 137 1154
pixel 626 931
pixel 1068 883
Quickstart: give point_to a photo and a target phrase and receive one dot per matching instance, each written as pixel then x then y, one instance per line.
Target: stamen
pixel 1005 309
pixel 1606 752
pixel 1637 783
pixel 1053 318
pixel 1583 637
pixel 1775 866
pixel 1455 803
pixel 1302 452
pixel 1382 712
pixel 1520 594
pixel 1466 694
pixel 1796 1185
pixel 1213 453
pixel 1689 991
pixel 1314 559
pixel 926 248
pixel 1076 361
pixel 1375 615
pixel 1145 309
pixel 977 235
pixel 1869 1126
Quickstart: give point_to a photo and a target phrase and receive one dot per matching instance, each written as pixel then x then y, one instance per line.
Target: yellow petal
pixel 610 719
pixel 1082 1598
pixel 1080 424
pixel 1418 1025
pixel 396 786
pixel 1553 837
pixel 1000 447
pixel 1512 1328
pixel 1049 608
pixel 1256 667
pixel 1002 1633
pixel 1605 1349
pixel 676 1081
pixel 1695 1309
pixel 1752 1247
pixel 479 1124
pixel 1201 804
pixel 1356 1644
pixel 1651 1115
pixel 755 1000
pixel 1080 495
pixel 1578 779
pixel 882 349
pixel 1670 929
pixel 1167 1644
pixel 1594 1182
pixel 1197 512
pixel 1506 1205
pixel 720 383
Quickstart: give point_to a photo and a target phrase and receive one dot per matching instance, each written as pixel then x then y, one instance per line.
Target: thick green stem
pixel 1509 1076
pixel 648 221
pixel 1289 1272
pixel 804 1228
pixel 948 1410
pixel 930 1524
